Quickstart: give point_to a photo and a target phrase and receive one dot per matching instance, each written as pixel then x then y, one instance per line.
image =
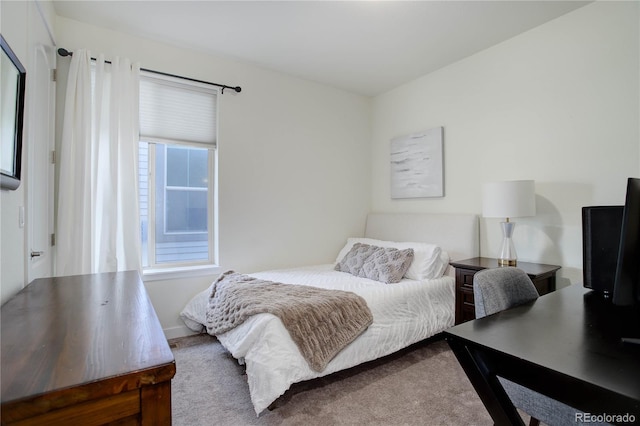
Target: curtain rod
pixel 64 52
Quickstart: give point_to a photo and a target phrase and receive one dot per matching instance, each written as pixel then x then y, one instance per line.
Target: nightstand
pixel 543 277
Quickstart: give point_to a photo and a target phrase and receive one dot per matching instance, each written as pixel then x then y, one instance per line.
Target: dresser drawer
pixel 123 408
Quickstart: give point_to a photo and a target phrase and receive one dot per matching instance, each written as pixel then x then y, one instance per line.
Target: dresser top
pixel 64 332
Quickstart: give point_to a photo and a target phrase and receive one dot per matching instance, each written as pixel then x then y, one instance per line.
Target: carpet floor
pixel 421 385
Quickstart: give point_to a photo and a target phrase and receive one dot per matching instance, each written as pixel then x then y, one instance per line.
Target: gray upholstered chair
pixel 495 290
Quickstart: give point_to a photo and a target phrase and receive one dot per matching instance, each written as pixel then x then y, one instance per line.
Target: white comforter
pixel 403 313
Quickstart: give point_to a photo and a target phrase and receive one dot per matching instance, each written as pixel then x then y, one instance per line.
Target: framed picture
pixel 13 79
pixel 417 169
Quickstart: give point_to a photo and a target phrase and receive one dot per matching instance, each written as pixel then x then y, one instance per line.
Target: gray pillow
pixel 353 261
pixel 385 264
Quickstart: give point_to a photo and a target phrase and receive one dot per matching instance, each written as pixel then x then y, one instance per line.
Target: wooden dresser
pixel 86 350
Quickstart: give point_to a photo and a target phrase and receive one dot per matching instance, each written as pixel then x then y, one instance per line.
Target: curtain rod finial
pixel 64 52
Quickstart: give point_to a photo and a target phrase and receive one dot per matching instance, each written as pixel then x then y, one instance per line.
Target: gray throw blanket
pixel 321 322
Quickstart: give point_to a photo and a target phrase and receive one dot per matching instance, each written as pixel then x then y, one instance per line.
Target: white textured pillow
pixel 444 262
pixel 194 314
pixel 429 260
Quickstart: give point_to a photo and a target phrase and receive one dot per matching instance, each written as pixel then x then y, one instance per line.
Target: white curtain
pixel 98 224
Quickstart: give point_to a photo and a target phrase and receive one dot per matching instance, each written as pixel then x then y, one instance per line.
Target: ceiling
pixel 366 47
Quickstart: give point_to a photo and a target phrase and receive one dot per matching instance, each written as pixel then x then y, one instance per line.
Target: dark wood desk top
pixel 478 263
pixel 61 333
pixel 572 332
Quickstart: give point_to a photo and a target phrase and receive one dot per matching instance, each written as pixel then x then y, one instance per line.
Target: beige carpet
pixel 422 385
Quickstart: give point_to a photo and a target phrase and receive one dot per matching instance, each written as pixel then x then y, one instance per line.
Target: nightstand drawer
pixel 467 278
pixel 467 297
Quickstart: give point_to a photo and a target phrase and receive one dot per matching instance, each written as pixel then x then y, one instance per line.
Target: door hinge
pixel 54 74
pixel 53 240
pixel 53 157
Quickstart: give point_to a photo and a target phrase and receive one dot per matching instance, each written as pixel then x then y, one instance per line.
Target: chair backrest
pixel 497 289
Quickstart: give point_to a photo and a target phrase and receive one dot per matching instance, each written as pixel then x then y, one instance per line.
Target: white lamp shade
pixel 506 199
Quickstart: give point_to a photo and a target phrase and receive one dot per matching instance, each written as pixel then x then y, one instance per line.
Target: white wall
pixel 18 21
pixel 298 171
pixel 294 163
pixel 14 19
pixel 557 104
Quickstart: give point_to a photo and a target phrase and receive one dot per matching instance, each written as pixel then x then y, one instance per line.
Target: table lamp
pixel 508 199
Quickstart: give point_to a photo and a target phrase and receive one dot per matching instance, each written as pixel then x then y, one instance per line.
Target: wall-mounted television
pixel 13 81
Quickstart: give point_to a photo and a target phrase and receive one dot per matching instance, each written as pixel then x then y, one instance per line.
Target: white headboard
pixel 457 234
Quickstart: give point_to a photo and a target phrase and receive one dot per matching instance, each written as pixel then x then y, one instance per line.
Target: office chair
pixel 495 290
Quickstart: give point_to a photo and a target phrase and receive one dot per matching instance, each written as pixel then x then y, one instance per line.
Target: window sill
pixel 179 272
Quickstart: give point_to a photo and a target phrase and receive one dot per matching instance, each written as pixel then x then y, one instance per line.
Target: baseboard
pixel 175 332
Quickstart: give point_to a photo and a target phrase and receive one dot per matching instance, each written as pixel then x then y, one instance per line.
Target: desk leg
pixel 486 384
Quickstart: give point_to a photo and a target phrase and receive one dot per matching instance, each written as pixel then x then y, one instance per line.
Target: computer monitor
pixel 601 226
pixel 626 286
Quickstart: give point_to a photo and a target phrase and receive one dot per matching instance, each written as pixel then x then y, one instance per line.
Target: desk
pixel 565 345
pixel 85 349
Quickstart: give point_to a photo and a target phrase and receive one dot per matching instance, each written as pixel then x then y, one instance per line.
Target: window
pixel 185 196
pixel 177 158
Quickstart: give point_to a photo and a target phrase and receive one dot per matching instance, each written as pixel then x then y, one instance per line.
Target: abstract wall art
pixel 417 169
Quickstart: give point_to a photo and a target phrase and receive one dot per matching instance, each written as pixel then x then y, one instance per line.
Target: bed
pixel 404 313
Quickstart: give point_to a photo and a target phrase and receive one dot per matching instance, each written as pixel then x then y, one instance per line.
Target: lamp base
pixel 507 251
pixel 507 262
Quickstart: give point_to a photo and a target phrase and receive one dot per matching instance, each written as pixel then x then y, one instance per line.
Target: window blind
pixel 176 112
